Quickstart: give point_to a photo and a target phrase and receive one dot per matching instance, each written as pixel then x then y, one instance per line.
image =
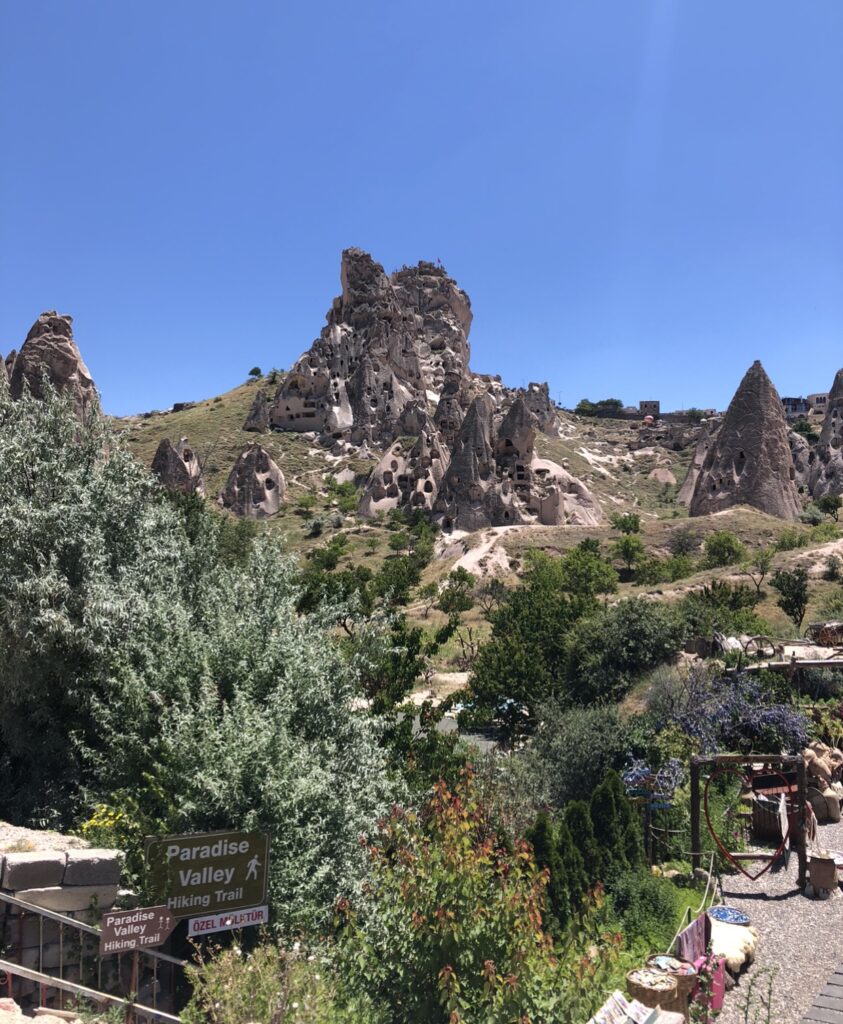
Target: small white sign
pixel 227 922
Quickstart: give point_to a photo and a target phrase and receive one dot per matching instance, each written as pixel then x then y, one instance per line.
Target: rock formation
pixel 407 478
pixel 803 457
pixel 50 347
pixel 537 399
pixel 255 486
pixel 258 419
pixel 177 467
pixel 708 429
pixel 826 466
pixel 749 462
pixel 388 342
pixel 491 477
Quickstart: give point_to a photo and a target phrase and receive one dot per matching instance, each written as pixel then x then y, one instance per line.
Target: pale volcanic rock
pixel 826 467
pixel 707 431
pixel 255 487
pixel 408 478
pixel 662 475
pixel 258 419
pixel 749 462
pixel 560 499
pixel 803 457
pixel 178 468
pixel 50 347
pixel 388 342
pixel 537 399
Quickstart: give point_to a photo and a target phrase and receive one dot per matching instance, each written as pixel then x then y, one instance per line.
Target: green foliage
pixel 630 550
pixel 456 595
pixel 608 650
pixel 344 494
pixel 723 548
pixel 757 566
pixel 648 907
pixel 125 621
pixel 719 605
pixel 791 539
pixel 803 427
pixel 603 406
pixel 255 372
pixel 625 522
pixel 617 832
pixel 584 573
pixel 452 929
pixel 568 745
pixel 793 593
pixel 824 532
pixel 683 541
pixel 523 662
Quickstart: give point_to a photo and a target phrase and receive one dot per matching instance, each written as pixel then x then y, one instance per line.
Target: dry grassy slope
pixel 595 450
pixel 214 428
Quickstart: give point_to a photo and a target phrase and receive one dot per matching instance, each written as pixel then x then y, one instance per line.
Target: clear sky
pixel 640 196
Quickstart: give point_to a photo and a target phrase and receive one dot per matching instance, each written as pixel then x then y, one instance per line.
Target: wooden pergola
pixel 776 762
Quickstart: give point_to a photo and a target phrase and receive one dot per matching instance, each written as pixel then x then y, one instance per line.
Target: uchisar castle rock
pixel 387 385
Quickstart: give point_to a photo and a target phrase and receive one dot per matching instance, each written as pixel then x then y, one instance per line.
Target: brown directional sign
pixel 123 930
pixel 208 873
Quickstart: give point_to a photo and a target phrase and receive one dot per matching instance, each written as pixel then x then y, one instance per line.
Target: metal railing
pixel 73 953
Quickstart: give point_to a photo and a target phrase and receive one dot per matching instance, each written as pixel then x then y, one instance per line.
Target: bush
pixel 648 908
pixel 453 925
pixel 569 742
pixel 625 522
pixel 791 539
pixel 608 650
pixel 723 548
pixel 722 607
pixel 683 541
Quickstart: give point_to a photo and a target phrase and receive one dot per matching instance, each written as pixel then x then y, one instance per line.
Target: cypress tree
pixel 543 837
pixel 628 823
pixel 573 869
pixel 578 821
pixel 606 824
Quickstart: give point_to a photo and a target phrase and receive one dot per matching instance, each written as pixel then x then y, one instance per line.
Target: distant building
pixel 795 407
pixel 649 408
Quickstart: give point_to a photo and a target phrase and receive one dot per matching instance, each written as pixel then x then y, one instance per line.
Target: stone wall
pixel 78 883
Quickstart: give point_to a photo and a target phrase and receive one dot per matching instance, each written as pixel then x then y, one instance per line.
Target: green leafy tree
pixel 758 566
pixel 457 594
pixel 829 505
pixel 793 593
pixel 625 522
pixel 584 573
pixel 608 650
pixel 255 372
pixel 630 550
pixel 723 548
pixel 523 662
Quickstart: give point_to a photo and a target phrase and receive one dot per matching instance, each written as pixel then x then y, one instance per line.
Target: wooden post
pixel 801 838
pixel 695 814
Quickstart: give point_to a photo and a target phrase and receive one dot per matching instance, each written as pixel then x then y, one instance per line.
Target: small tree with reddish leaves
pixel 451 927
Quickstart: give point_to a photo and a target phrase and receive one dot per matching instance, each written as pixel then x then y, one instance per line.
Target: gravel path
pixel 801 938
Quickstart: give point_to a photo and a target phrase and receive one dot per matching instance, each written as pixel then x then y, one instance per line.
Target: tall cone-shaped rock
pixel 749 461
pixel 50 346
pixel 255 486
pixel 825 475
pixel 178 468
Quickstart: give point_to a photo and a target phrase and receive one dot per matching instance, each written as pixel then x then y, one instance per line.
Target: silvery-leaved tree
pixel 143 670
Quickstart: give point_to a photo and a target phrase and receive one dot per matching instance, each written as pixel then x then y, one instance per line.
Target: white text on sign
pixel 227 922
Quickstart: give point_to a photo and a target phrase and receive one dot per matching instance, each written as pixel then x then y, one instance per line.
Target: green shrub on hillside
pixel 723 548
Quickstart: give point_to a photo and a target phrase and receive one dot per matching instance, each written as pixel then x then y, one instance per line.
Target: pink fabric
pixel 692 943
pixel 718 981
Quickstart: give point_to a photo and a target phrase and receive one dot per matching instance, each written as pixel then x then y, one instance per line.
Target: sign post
pixel 209 873
pixel 141 928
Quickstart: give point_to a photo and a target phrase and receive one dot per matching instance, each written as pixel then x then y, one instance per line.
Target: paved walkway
pixel 828 1005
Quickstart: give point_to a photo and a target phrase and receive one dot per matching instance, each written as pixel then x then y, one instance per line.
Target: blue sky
pixel 640 196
